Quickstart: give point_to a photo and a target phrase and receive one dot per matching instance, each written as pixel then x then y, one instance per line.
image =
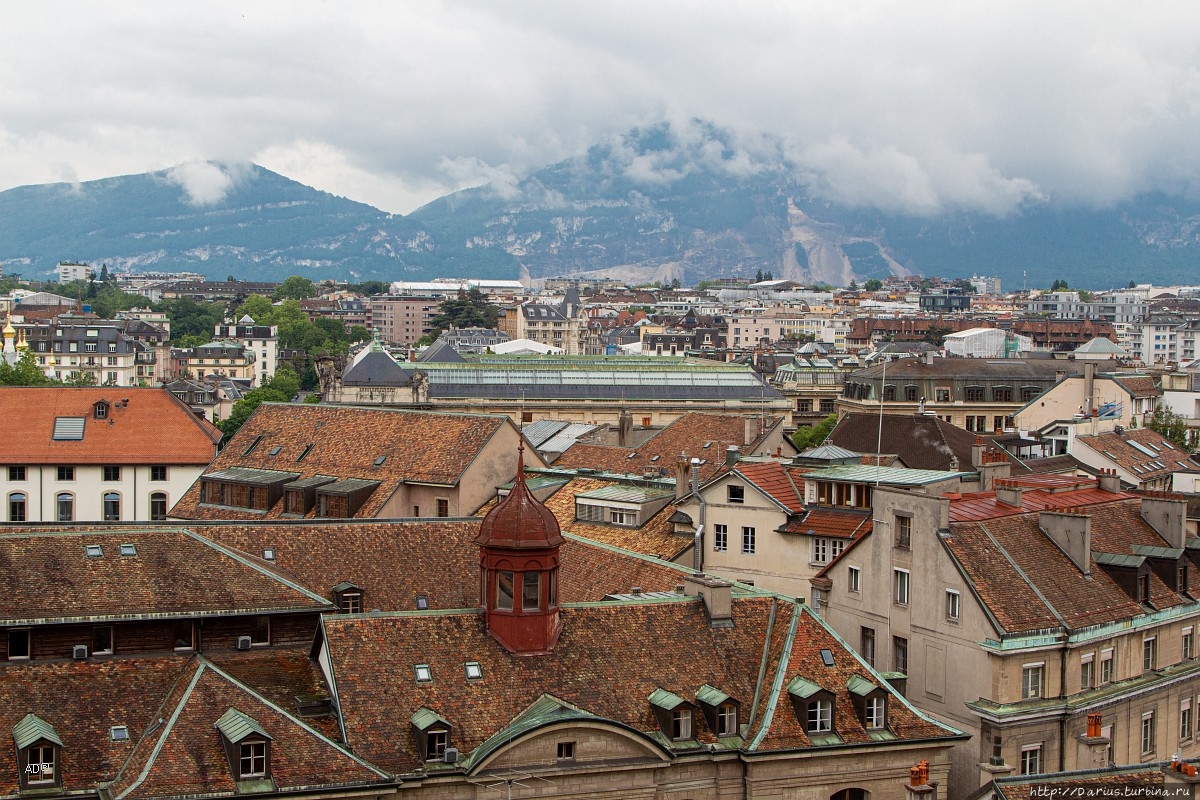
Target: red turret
pixel 518 561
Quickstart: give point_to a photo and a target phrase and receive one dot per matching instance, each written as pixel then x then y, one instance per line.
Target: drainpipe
pixel 698 546
pixel 1062 723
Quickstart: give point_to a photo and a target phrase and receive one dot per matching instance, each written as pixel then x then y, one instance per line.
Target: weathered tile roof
pixel 155 427
pixel 440 558
pixel 345 443
pixel 82 700
pixel 1141 452
pixel 1130 781
pixel 51 577
pixel 836 522
pixel 1139 385
pixel 655 538
pixel 923 442
pixel 689 434
pixel 600 666
pixel 1028 583
pixel 773 480
pixel 1039 492
pixel 184 756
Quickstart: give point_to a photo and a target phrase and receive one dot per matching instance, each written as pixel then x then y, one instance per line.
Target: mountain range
pixel 650 206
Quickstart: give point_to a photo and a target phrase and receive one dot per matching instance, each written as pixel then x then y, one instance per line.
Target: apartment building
pixel 1053 618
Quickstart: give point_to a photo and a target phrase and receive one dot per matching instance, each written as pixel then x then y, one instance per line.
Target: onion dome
pixel 520 521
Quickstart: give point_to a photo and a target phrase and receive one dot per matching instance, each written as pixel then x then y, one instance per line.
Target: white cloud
pixel 205 183
pixel 910 105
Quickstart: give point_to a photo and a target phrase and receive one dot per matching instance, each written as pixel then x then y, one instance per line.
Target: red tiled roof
pixel 773 480
pixel 984 505
pixel 345 442
pixel 654 538
pixel 440 558
pixel 155 427
pixel 688 434
pixel 82 700
pixel 601 665
pixel 1119 450
pixel 50 576
pixel 1005 558
pixel 839 523
pixel 185 757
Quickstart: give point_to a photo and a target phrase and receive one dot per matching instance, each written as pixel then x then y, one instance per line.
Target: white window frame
pixel 820 550
pixel 1185 719
pixel 749 540
pixel 1087 666
pixel 1031 755
pixel 953 605
pixel 854 580
pixel 1149 734
pixel 1149 653
pixel 720 538
pixel 1108 664
pixel 1189 642
pixel 901 586
pixel 822 720
pixel 1030 690
pixel 876 713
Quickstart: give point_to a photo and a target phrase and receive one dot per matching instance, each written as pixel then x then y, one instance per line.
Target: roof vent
pixel 79 652
pixel 243 643
pixel 451 755
pixel 118 733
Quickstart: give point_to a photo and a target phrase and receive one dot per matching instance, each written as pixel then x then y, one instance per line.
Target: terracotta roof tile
pixel 1007 558
pixel 345 442
pixel 154 428
pixel 773 480
pixel 688 434
pixel 655 538
pixel 922 442
pixel 440 556
pixel 185 757
pixel 600 665
pixel 50 576
pixel 82 700
pixel 836 522
pixel 1119 449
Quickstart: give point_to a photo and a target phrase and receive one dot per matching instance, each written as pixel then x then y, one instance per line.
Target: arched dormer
pixel 518 543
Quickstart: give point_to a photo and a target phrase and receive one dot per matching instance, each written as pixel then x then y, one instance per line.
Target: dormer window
pixel 247 746
pixel 814 707
pixel 681 724
pixel 869 701
pixel 38 753
pixel 720 710
pixel 101 407
pixel 431 734
pixel 348 598
pixel 675 715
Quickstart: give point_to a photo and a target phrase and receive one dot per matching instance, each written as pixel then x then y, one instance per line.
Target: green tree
pixel 280 389
pixel 853 285
pixel 814 435
pixel 370 288
pixel 1059 286
pixel 258 307
pixel 936 334
pixel 873 285
pixel 1167 424
pixel 25 372
pixel 358 333
pixel 467 310
pixel 192 318
pixel 295 287
pixel 81 378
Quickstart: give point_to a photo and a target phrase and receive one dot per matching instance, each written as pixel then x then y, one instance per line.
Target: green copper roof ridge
pixel 777 684
pixel 202 664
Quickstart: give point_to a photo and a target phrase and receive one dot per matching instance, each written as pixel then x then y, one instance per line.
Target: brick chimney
pixel 1093 745
pixel 682 476
pixel 993 466
pixel 1008 492
pixel 625 429
pixel 1071 530
pixel 1180 779
pixel 918 786
pixel 717 595
pixel 1167 514
pixel 1110 481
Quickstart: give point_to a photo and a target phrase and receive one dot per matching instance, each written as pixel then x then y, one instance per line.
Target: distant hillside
pixel 653 205
pixel 659 206
pixel 253 223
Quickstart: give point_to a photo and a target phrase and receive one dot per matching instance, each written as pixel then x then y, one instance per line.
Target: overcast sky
pixel 904 105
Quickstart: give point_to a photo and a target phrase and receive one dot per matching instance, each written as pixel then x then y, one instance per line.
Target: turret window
pixel 504 591
pixel 531 594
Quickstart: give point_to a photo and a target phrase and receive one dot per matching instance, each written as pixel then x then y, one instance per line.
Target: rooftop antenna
pixel 504 782
pixel 879 437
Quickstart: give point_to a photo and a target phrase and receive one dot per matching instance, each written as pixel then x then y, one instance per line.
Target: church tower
pixel 518 543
